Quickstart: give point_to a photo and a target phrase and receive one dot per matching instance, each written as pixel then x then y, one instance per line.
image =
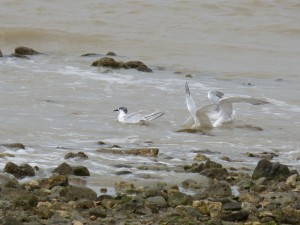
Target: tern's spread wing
pixel 205 115
pixel 252 101
pixel 190 102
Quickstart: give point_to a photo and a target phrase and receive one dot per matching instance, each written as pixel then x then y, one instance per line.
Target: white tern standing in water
pixel 213 115
pixel 136 118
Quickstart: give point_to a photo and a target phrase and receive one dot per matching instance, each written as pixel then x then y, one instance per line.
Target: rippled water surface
pixel 57 103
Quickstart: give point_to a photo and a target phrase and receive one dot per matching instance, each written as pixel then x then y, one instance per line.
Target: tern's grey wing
pixel 252 101
pixel 215 96
pixel 133 118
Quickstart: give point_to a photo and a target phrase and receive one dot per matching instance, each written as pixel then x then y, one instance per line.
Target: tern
pixel 217 113
pixel 136 118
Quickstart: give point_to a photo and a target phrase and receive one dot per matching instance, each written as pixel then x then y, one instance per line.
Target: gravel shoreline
pixel 268 195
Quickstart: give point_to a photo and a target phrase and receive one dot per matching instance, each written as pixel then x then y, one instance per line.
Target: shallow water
pixel 57 103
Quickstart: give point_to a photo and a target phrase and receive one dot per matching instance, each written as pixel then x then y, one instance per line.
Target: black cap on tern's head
pixel 124 109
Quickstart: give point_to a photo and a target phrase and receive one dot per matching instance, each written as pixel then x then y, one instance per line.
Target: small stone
pixel 103 190
pixel 178 198
pixel 205 207
pixel 156 201
pixel 93 218
pixel 292 180
pixel 76 222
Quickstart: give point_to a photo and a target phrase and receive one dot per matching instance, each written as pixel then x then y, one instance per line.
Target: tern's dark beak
pixel 116 110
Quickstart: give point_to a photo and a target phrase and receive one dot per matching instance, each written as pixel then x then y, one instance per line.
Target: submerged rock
pixel 112 63
pixel 81 155
pixel 111 54
pixel 25 51
pixel 19 171
pixel 14 145
pixel 137 151
pixel 271 170
pixel 263 155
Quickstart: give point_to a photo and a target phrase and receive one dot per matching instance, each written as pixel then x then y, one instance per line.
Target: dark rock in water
pixel 112 63
pixel 25 51
pixel 218 173
pixel 14 145
pixel 81 171
pixel 271 170
pixel 26 202
pixel 123 172
pixel 111 54
pixel 81 155
pixel 66 169
pixel 137 151
pixel 72 193
pixel 63 169
pixel 101 143
pixel 140 66
pixel 211 164
pixel 55 180
pixel 263 155
pixel 194 168
pixel 1 53
pixel 19 171
pixel 189 183
pixel 179 198
pixel 108 62
pixel 90 54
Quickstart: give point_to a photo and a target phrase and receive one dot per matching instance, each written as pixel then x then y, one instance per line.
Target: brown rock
pixel 25 51
pixel 112 63
pixel 19 171
pixel 111 54
pixel 218 173
pixel 81 155
pixel 55 180
pixel 1 53
pixel 270 170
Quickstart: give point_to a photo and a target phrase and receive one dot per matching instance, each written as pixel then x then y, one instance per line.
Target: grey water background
pixel 57 103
